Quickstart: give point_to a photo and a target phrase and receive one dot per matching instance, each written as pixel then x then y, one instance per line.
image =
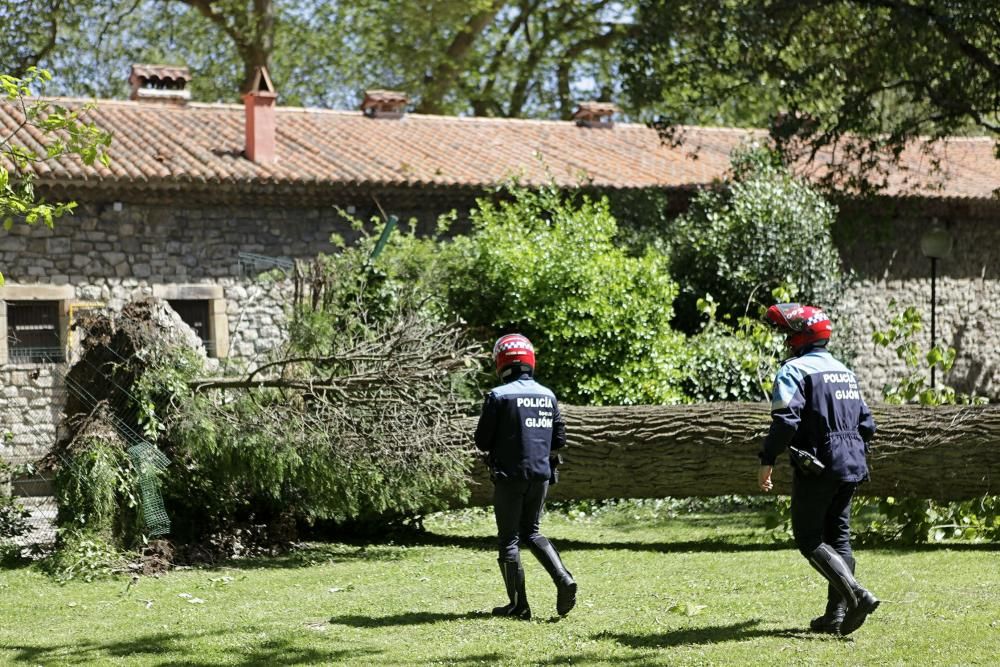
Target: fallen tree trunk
pixel 943 453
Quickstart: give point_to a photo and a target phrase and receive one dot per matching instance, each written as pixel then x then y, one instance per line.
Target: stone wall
pixel 31 402
pixel 881 245
pixel 108 254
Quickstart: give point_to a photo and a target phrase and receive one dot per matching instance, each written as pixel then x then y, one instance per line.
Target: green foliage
pixel 85 555
pixel 240 471
pixel 360 447
pixel 546 265
pixel 95 487
pixel 66 133
pixel 916 520
pixel 163 382
pixel 469 56
pixel 13 518
pixel 356 292
pixel 13 515
pixel 901 335
pixel 730 362
pixel 859 75
pixel 763 229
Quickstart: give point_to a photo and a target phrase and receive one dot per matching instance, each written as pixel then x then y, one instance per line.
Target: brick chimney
pixel 595 114
pixel 165 84
pixel 384 104
pixel 258 103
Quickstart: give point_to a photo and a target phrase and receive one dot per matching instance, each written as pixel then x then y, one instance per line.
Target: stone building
pixel 199 198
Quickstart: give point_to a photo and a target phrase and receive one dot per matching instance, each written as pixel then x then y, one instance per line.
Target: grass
pixel 654 590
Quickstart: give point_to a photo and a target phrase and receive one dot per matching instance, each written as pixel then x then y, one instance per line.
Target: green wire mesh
pixel 149 462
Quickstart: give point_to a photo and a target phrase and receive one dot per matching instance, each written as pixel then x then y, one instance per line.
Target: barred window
pixel 33 332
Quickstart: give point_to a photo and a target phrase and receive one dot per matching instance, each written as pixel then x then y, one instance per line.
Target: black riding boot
pixel 565 584
pixel 831 619
pixel 513 579
pixel 858 601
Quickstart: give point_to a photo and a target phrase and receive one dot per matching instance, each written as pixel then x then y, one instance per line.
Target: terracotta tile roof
pixel 201 146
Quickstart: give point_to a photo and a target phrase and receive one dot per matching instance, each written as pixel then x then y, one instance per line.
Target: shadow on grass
pixel 177 649
pixel 367 549
pixel 315 553
pixel 489 543
pixel 713 634
pixel 408 618
pixel 574 658
pixel 922 548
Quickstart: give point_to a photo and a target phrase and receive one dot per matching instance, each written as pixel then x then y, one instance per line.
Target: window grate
pixel 33 333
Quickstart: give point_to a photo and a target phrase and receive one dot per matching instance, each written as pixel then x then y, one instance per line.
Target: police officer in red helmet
pixel 520 427
pixel 819 415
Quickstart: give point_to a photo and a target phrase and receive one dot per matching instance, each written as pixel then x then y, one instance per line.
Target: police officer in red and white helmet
pixel 820 416
pixel 519 428
pixel 804 326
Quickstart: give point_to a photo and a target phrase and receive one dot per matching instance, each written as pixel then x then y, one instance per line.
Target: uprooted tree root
pixel 367 431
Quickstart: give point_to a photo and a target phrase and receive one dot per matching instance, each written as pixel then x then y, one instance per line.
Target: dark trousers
pixel 517 505
pixel 821 512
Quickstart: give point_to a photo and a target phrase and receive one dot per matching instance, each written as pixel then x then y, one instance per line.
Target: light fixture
pixel 935 244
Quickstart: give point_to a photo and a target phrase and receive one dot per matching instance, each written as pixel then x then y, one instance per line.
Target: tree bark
pixel 943 453
pixel 443 78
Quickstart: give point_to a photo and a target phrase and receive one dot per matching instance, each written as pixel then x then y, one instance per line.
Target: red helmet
pixel 802 325
pixel 512 350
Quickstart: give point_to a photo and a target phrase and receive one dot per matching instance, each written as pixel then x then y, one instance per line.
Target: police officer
pixel 818 413
pixel 519 428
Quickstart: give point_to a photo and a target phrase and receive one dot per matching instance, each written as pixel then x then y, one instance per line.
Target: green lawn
pixel 690 590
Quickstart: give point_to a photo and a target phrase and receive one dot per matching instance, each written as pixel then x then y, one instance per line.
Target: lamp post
pixel 936 244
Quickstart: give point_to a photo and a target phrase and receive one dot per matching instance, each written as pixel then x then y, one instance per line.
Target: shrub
pixel 733 362
pixel 546 265
pixel 762 229
pixel 726 365
pixel 357 424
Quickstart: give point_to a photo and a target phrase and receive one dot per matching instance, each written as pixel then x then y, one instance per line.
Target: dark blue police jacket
pixel 519 426
pixel 817 407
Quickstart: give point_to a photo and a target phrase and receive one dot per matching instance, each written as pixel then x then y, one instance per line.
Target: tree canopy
pixel 859 77
pixel 485 57
pixel 820 73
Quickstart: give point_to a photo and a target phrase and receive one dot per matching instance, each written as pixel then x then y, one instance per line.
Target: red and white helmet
pixel 803 326
pixel 513 350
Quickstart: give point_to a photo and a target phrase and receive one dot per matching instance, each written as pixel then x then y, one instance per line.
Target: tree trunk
pixel 944 453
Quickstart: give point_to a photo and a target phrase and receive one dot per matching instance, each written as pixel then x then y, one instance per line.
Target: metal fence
pixel 30 486
pixel 33 459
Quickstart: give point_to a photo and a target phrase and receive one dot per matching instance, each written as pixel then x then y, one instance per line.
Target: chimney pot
pixel 159 83
pixel 384 103
pixel 258 104
pixel 595 114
